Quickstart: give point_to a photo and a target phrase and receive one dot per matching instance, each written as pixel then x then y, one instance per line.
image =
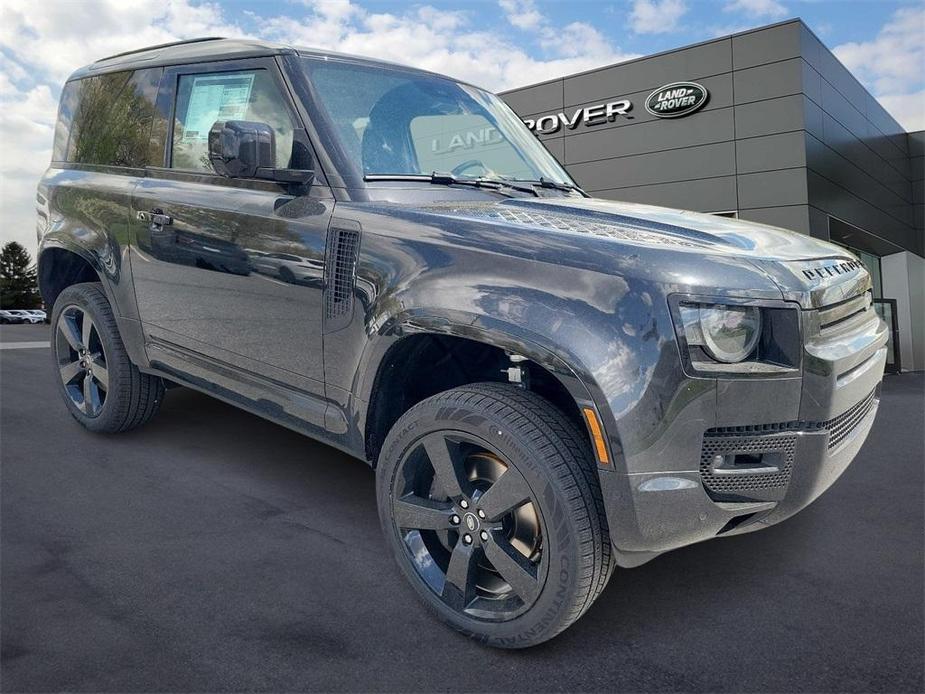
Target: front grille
pixel 770 439
pixel 859 308
pixel 840 427
pixel 724 444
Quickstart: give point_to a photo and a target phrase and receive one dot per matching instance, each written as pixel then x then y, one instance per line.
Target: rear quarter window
pixel 66 107
pixel 116 122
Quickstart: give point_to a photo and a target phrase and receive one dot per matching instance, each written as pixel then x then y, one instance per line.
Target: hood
pixel 648 225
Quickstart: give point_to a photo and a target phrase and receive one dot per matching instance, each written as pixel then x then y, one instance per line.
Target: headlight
pixel 727 333
pixel 730 333
pixel 738 337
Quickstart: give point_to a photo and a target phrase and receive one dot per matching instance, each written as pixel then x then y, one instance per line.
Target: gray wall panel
pixel 766 45
pixel 827 65
pixel 916 142
pixel 537 99
pixel 818 223
pixel 836 201
pixel 705 195
pixel 794 217
pixel 815 119
pixel 769 81
pixel 773 188
pixel 649 73
pixel 827 162
pixel 770 152
pixel 659 167
pixel 703 128
pixel 861 155
pixel 769 117
pixel 844 112
pixel 812 82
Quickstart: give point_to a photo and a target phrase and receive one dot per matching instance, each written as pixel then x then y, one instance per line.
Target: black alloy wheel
pixel 491 504
pixel 101 387
pixel 81 360
pixel 470 526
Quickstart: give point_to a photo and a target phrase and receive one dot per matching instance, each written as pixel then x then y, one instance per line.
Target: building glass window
pixel 872 263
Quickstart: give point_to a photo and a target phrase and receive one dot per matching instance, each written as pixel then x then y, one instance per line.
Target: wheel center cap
pixel 471 521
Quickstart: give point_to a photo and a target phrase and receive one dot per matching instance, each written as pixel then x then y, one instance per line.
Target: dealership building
pixel 765 125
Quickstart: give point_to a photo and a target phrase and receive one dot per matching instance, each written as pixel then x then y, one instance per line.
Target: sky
pixel 497 44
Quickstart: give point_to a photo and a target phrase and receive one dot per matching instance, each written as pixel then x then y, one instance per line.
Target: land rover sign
pixel 677 99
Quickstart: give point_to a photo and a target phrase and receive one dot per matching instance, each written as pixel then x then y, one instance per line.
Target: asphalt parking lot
pixel 213 551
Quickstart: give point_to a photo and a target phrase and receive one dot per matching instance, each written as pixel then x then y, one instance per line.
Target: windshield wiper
pixel 554 185
pixel 494 184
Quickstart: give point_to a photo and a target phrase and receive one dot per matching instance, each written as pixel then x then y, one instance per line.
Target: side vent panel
pixel 342 251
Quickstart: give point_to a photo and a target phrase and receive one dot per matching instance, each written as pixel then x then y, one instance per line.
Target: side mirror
pixel 238 148
pixel 245 149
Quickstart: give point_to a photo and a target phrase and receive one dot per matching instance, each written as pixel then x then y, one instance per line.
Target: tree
pixel 18 278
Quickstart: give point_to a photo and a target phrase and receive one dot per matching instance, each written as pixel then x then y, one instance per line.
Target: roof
pixel 209 49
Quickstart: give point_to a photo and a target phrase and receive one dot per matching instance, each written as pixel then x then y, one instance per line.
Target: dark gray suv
pixel 388 260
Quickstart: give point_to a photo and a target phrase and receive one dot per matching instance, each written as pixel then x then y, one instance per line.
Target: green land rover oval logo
pixel 677 99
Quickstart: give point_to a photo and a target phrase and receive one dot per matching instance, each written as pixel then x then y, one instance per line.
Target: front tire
pixel 490 503
pixel 101 387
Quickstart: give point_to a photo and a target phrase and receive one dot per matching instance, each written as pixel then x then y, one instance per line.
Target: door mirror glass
pixel 238 148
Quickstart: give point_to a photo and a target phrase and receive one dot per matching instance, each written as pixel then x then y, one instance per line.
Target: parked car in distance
pixel 548 385
pixel 288 267
pixel 40 314
pixel 28 316
pixel 10 317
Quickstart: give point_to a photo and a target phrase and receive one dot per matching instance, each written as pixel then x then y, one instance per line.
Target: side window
pixel 115 119
pixel 202 100
pixel 66 109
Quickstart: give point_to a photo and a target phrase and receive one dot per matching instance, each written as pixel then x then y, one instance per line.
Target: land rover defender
pixel 548 385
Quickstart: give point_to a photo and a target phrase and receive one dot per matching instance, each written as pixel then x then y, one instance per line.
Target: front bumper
pixel 686 484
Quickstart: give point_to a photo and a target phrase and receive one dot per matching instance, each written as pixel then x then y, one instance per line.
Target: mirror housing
pixel 238 148
pixel 247 149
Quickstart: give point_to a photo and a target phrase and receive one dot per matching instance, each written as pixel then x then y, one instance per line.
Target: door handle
pixel 155 218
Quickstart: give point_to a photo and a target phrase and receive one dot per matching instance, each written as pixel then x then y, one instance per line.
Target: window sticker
pixel 215 98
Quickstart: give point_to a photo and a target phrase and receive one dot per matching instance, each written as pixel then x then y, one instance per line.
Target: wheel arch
pixel 401 370
pixel 59 267
pixel 62 263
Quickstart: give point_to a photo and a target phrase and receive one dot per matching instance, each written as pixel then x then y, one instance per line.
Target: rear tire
pixel 490 503
pixel 101 387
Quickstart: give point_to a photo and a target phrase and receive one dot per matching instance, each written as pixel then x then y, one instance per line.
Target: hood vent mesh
pixel 625 231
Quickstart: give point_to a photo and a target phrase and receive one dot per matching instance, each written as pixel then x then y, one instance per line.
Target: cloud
pixel 522 13
pixel 891 65
pixel 907 109
pixel 452 42
pixel 757 8
pixel 656 16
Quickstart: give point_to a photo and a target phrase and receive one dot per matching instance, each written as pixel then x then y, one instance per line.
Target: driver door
pixel 216 302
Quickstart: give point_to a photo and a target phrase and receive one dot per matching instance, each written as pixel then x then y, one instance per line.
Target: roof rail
pixel 160 45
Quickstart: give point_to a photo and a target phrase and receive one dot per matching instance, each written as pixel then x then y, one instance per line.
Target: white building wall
pixel 904 280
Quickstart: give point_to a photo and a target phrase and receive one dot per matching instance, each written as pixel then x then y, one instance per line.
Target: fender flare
pixel 565 367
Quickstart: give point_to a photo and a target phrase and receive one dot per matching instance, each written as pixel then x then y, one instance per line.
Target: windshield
pixel 406 123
